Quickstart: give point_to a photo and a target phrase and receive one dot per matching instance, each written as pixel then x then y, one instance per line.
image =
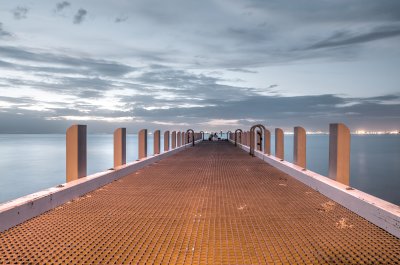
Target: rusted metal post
pixel 119 147
pixel 156 142
pixel 178 139
pixel 279 144
pixel 173 140
pixel 76 152
pixel 259 141
pixel 142 143
pixel 190 136
pixel 256 138
pixel 248 138
pixel 252 141
pixel 299 147
pixel 339 153
pixel 238 135
pixel 183 138
pixel 267 142
pixel 166 141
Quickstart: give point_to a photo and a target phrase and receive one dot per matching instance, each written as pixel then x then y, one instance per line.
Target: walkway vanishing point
pixel 208 204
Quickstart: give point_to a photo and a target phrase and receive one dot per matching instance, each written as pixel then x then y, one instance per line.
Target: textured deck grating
pixel 211 204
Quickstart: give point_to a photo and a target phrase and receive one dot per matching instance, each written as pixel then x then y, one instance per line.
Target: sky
pixel 208 65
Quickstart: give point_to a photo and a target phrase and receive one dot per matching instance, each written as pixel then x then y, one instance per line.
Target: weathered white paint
pixel 383 214
pixel 19 210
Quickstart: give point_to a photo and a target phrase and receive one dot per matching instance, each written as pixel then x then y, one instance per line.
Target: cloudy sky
pixel 210 64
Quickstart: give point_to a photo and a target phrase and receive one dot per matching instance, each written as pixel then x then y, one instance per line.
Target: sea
pixel 32 162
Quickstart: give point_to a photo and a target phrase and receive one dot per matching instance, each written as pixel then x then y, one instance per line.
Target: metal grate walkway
pixel 211 204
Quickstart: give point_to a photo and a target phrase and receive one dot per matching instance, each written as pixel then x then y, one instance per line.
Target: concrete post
pixel 119 147
pixel 156 142
pixel 183 138
pixel 76 152
pixel 339 153
pixel 179 139
pixel 267 142
pixel 279 144
pixel 299 147
pixel 248 138
pixel 142 143
pixel 166 141
pixel 173 140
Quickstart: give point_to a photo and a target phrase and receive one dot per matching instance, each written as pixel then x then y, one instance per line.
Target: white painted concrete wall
pixel 19 210
pixel 383 214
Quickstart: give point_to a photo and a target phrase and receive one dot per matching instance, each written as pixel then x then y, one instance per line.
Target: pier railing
pixel 76 159
pixel 339 147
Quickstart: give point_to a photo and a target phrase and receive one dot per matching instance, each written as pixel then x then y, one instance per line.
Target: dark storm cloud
pixel 245 103
pixel 191 105
pixel 384 98
pixel 76 65
pixel 247 34
pixel 20 12
pixel 255 106
pixel 121 19
pixel 310 111
pixel 184 84
pixel 86 88
pixel 338 10
pixel 241 70
pixel 175 78
pixel 19 100
pixel 343 38
pixel 62 5
pixel 80 16
pixel 87 82
pixel 4 33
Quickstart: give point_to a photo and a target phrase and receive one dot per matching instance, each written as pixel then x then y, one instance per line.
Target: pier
pixel 202 202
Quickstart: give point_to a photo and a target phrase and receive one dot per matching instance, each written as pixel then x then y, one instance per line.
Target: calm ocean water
pixel 29 163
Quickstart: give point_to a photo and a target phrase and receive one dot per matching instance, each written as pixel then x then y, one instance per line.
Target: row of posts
pixel 76 147
pixel 339 148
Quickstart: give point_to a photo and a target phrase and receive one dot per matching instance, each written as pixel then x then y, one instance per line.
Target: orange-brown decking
pixel 210 204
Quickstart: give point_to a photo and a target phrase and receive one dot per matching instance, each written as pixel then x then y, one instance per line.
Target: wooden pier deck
pixel 210 204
